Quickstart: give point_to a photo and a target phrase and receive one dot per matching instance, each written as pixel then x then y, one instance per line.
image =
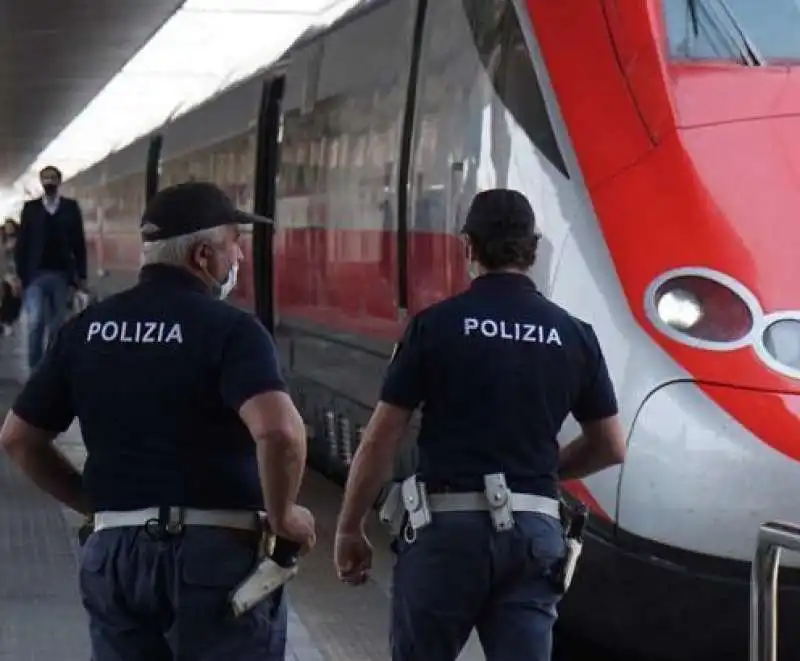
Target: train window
pixel 311 82
pixel 504 55
pixel 480 122
pixel 333 163
pixel 480 104
pixel 748 32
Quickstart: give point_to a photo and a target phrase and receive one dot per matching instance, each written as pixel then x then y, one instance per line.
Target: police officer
pixel 189 433
pixel 497 369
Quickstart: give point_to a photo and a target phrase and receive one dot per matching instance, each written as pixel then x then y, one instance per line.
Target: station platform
pixel 41 616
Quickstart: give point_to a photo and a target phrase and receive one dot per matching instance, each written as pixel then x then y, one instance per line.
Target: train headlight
pixel 780 343
pixel 680 309
pixel 702 308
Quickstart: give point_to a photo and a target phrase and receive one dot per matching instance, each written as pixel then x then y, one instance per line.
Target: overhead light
pixel 205 46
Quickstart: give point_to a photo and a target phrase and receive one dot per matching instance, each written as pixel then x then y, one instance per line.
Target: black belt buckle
pixel 168 524
pixel 173 520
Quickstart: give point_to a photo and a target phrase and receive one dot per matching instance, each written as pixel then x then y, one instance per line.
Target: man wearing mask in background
pixel 50 255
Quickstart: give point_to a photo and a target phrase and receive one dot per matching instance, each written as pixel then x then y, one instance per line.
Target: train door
pixel 268 139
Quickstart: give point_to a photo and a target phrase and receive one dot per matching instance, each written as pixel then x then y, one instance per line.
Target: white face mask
pixel 230 282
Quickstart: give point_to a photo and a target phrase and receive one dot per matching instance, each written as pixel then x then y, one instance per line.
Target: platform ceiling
pixel 55 57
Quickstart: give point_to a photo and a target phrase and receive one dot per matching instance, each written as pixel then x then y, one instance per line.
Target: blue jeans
pixel 461 574
pixel 151 600
pixel 45 302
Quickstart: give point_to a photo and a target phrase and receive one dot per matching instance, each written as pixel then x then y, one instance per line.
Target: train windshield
pixel 748 32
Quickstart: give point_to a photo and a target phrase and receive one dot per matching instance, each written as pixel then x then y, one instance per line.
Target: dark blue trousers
pixel 151 600
pixel 460 573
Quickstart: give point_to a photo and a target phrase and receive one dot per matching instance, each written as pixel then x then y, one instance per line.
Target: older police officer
pixel 171 386
pixel 497 370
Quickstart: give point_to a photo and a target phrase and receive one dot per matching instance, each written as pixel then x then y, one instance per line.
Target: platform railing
pixel 772 537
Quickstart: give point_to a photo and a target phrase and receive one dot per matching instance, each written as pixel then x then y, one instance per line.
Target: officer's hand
pixel 353 557
pixel 298 526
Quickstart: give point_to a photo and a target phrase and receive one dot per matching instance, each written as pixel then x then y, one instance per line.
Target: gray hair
pixel 176 251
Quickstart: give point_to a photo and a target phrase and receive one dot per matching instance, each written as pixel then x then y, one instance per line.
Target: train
pixel 659 144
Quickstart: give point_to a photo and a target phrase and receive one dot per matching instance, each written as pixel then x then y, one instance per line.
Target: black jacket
pixel 30 240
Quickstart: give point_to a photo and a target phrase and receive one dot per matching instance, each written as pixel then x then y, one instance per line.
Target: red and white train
pixel 659 143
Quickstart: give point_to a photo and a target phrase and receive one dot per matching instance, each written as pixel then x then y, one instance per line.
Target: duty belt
pixel 409 505
pixel 177 517
pixel 477 501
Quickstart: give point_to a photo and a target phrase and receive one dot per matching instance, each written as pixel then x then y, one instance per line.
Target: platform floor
pixel 41 617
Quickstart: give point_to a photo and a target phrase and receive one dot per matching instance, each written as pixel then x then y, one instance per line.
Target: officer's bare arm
pixel 280 436
pixel 602 444
pixel 31 449
pixel 372 464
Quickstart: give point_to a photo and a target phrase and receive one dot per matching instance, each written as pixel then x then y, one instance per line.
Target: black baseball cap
pixel 191 207
pixel 500 212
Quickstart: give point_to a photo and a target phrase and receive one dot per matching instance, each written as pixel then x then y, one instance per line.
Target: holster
pixel 573 520
pixel 498 496
pixel 405 510
pixel 267 542
pixel 415 501
pixel 392 513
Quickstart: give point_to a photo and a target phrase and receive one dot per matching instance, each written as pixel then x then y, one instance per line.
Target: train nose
pixel 750 203
pixel 698 479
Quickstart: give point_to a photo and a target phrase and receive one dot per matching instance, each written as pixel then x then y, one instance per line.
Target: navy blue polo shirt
pixel 156 375
pixel 497 369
